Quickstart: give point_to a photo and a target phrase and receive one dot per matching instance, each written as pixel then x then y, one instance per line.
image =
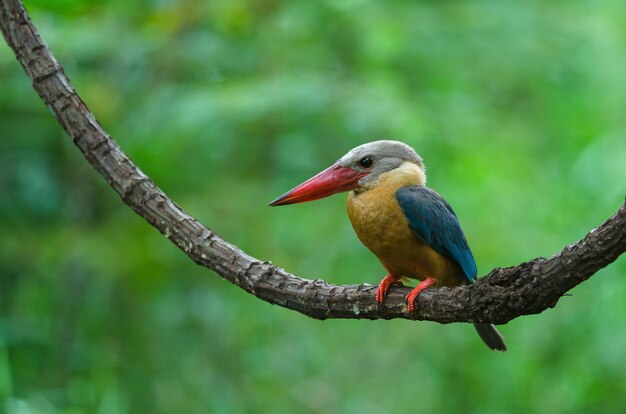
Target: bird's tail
pixel 490 336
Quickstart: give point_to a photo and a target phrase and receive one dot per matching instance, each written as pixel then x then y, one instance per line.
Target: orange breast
pixel 382 227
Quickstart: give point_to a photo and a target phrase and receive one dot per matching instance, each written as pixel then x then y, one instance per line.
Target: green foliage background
pixel 516 107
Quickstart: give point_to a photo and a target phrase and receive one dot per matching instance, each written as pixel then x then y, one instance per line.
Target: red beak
pixel 334 179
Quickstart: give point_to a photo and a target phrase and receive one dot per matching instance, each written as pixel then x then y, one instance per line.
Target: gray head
pixel 378 157
pixel 358 170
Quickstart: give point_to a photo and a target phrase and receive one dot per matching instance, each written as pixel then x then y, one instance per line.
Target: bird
pixel 409 227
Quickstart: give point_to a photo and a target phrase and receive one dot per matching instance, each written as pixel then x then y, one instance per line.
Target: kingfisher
pixel 411 229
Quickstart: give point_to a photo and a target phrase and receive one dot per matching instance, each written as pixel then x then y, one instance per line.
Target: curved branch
pixel 504 294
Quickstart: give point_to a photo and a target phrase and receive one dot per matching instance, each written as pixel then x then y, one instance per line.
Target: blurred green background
pixel 517 108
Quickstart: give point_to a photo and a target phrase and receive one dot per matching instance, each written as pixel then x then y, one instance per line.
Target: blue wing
pixel 432 220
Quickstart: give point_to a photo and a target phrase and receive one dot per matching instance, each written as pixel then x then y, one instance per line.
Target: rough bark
pixel 500 296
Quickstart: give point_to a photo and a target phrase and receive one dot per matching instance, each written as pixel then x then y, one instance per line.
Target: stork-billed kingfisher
pixel 410 228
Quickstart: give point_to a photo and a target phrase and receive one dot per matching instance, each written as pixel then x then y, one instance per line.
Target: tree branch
pixel 502 295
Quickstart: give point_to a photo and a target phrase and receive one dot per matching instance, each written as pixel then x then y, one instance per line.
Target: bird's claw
pixel 421 286
pixel 410 301
pixel 384 286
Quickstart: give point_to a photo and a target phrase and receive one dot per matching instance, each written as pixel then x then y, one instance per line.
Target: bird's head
pixel 358 170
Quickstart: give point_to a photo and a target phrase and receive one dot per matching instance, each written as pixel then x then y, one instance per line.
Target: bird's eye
pixel 366 162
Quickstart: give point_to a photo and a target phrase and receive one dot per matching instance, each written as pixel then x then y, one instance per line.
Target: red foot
pixel 410 298
pixel 384 286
